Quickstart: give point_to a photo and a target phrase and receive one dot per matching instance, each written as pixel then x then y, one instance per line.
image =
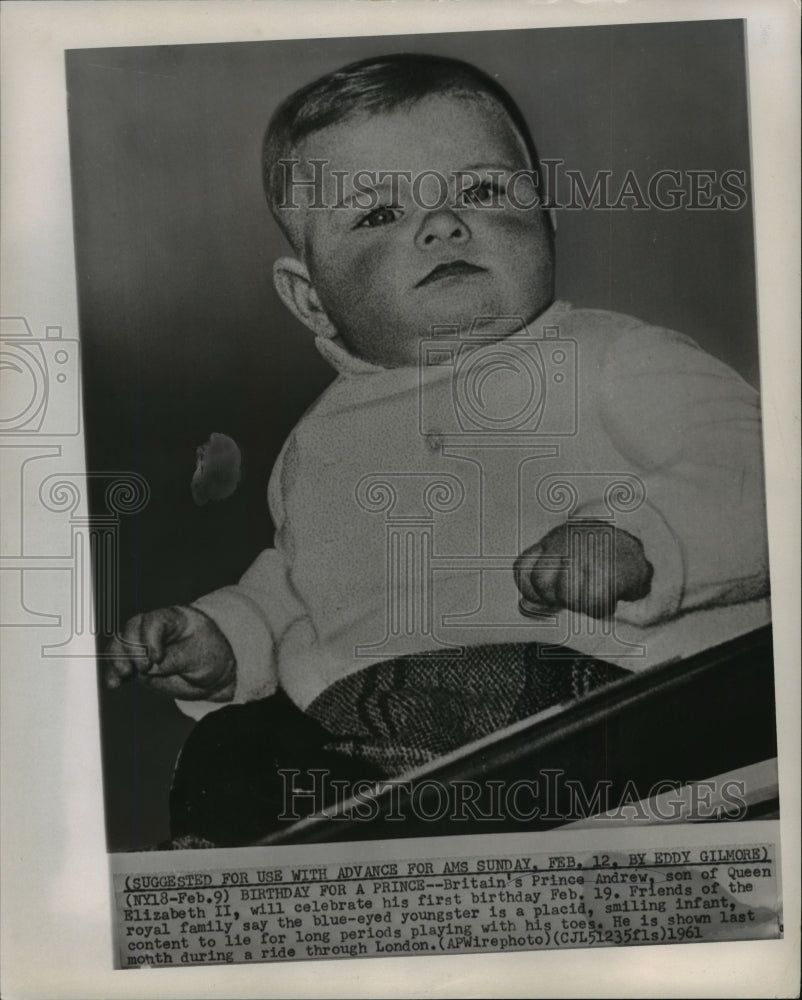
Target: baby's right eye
pixel 380 216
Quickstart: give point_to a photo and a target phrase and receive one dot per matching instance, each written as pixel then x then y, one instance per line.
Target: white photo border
pixel 57 926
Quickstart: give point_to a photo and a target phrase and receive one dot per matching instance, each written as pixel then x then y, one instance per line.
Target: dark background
pixel 182 333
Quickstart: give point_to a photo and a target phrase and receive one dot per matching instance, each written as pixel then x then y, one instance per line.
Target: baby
pixel 492 470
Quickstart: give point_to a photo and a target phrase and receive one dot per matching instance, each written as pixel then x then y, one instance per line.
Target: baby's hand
pixel 592 578
pixel 188 656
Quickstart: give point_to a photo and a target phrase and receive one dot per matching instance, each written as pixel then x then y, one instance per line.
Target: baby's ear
pixel 298 294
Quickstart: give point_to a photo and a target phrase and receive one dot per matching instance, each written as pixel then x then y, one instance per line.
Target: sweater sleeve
pixel 691 427
pixel 251 615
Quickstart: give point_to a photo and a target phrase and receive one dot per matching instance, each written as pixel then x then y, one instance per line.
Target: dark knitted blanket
pixel 402 713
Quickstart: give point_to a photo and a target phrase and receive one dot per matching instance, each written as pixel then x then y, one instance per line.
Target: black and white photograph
pixel 422 551
pixel 445 402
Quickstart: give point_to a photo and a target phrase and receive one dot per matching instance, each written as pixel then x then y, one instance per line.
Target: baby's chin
pixel 472 307
pixel 487 321
pixel 416 350
pixel 405 343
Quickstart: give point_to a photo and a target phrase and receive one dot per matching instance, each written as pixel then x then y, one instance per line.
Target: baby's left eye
pixel 381 216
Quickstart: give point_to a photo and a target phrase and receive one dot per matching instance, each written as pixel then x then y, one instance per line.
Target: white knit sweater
pixel 403 496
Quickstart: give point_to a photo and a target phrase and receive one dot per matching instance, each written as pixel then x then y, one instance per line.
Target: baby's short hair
pixel 375 85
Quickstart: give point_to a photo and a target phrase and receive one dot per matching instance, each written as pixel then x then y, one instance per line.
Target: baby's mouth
pixel 450 269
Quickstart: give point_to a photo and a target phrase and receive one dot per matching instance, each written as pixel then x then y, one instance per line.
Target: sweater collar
pixel 335 352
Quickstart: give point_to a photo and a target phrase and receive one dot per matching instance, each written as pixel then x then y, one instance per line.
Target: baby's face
pixel 374 270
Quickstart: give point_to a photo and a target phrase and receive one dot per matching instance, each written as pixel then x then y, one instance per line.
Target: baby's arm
pixel 219 649
pixel 691 427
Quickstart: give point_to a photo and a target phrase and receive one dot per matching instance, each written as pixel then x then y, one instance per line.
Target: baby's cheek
pixel 355 284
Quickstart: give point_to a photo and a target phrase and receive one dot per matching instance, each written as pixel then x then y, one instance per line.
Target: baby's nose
pixel 443 226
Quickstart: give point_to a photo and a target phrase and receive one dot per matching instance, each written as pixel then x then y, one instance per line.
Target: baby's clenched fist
pixel 187 656
pixel 587 566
